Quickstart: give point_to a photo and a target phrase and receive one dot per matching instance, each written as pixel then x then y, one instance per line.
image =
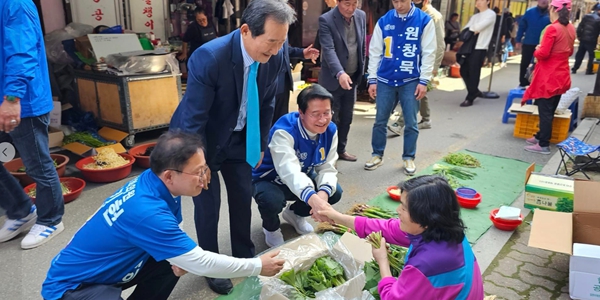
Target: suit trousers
pixel 470 71
pixel 282 102
pixel 230 161
pixel 526 57
pixel 343 111
pixel 585 47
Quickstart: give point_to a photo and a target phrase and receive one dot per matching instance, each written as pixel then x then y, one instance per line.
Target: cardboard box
pixel 301 253
pixel 549 192
pixel 108 134
pixel 55 137
pixel 558 231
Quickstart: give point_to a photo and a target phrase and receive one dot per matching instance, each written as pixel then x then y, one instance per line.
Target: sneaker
pixel 12 228
pixel 395 128
pixel 40 234
pixel 299 223
pixel 538 149
pixel 531 141
pixel 409 167
pixel 573 71
pixel 273 238
pixel 374 163
pixel 425 124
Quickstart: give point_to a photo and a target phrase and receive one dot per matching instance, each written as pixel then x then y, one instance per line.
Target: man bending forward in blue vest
pixel 401 58
pixel 299 166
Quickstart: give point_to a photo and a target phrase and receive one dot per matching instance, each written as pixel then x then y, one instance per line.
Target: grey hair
pixel 257 12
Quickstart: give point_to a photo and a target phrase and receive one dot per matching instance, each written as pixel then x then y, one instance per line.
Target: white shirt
pixel 248 61
pixel 483 22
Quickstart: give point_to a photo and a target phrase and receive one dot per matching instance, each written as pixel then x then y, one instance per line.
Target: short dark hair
pixel 199 10
pixel 173 150
pixel 432 204
pixel 314 91
pixel 257 12
pixel 453 15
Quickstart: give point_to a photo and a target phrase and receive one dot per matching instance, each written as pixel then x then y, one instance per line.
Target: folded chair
pixel 572 148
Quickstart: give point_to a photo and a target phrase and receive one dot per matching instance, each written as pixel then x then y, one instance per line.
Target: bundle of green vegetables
pixel 335 228
pixel 452 174
pixel 64 188
pixel 396 258
pixel 323 274
pixel 85 138
pixel 372 212
pixel 462 160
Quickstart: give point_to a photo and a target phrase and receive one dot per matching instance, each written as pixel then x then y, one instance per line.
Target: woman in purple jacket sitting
pixel 440 263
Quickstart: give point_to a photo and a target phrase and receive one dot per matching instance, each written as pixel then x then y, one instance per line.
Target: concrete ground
pixel 476 128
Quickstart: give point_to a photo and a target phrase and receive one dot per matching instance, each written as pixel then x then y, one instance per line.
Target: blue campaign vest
pixel 310 153
pixel 401 58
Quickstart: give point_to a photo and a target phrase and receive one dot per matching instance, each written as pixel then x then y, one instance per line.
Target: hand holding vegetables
pixel 270 264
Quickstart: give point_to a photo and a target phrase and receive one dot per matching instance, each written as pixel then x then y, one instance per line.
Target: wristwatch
pixel 11 99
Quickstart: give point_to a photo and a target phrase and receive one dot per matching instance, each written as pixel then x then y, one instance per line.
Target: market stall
pixel 130 103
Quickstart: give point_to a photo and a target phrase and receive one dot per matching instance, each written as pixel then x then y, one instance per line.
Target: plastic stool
pixel 512 95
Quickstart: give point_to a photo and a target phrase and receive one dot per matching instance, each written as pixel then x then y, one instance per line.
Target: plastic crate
pixel 528 125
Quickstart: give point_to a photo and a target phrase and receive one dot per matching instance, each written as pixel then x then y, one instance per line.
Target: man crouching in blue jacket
pixel 299 166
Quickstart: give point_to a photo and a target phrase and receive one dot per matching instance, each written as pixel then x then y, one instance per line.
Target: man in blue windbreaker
pixel 528 36
pixel 299 166
pixel 25 106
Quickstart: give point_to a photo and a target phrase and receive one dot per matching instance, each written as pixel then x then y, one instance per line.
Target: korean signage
pixel 148 16
pixel 95 12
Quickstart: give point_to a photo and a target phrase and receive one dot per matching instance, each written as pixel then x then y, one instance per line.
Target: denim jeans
pixel 31 140
pixel 387 97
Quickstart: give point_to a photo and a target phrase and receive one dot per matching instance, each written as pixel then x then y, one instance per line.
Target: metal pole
pixel 489 94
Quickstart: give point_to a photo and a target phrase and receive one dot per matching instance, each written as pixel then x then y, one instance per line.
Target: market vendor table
pixel 132 103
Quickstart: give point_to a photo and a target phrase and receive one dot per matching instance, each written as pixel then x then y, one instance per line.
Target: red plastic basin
pixel 392 195
pixel 503 224
pixel 75 185
pixel 137 151
pixel 469 203
pixel 105 175
pixel 15 164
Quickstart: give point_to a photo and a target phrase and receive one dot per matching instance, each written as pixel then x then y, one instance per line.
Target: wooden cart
pixel 132 104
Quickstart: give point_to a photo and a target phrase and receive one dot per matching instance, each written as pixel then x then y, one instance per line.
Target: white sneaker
pixel 299 223
pixel 424 125
pixel 12 228
pixel 273 238
pixel 395 128
pixel 374 163
pixel 409 167
pixel 40 234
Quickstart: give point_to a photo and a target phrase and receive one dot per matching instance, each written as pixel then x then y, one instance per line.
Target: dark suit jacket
pixel 286 72
pixel 334 51
pixel 211 104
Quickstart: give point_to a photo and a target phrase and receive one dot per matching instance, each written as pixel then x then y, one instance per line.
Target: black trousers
pixel 583 48
pixel 237 175
pixel 526 56
pixel 470 72
pixel 343 111
pixel 282 102
pixel 546 109
pixel 155 281
pixel 272 198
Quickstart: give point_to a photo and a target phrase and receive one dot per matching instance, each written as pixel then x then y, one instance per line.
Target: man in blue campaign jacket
pixel 135 239
pixel 401 59
pixel 528 36
pixel 299 166
pixel 25 106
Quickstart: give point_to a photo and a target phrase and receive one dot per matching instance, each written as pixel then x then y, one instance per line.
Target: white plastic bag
pixel 566 100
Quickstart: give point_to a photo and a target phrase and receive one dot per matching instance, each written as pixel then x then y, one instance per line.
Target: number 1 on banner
pixel 387 42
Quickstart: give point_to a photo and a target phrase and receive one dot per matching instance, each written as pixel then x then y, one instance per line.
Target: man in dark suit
pixel 342 33
pixel 229 103
pixel 286 82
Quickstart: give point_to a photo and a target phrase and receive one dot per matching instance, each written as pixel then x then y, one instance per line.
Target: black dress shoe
pixel 220 285
pixel 347 156
pixel 466 103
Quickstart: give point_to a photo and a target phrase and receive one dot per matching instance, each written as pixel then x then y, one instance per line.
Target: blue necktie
pixel 252 118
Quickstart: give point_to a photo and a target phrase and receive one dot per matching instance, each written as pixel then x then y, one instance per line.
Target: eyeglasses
pixel 200 174
pixel 318 116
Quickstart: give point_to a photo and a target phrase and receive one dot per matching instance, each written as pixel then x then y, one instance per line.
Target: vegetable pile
pixel 452 174
pixel 85 138
pixel 323 274
pixel 462 160
pixel 147 152
pixel 396 258
pixel 65 190
pixel 22 169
